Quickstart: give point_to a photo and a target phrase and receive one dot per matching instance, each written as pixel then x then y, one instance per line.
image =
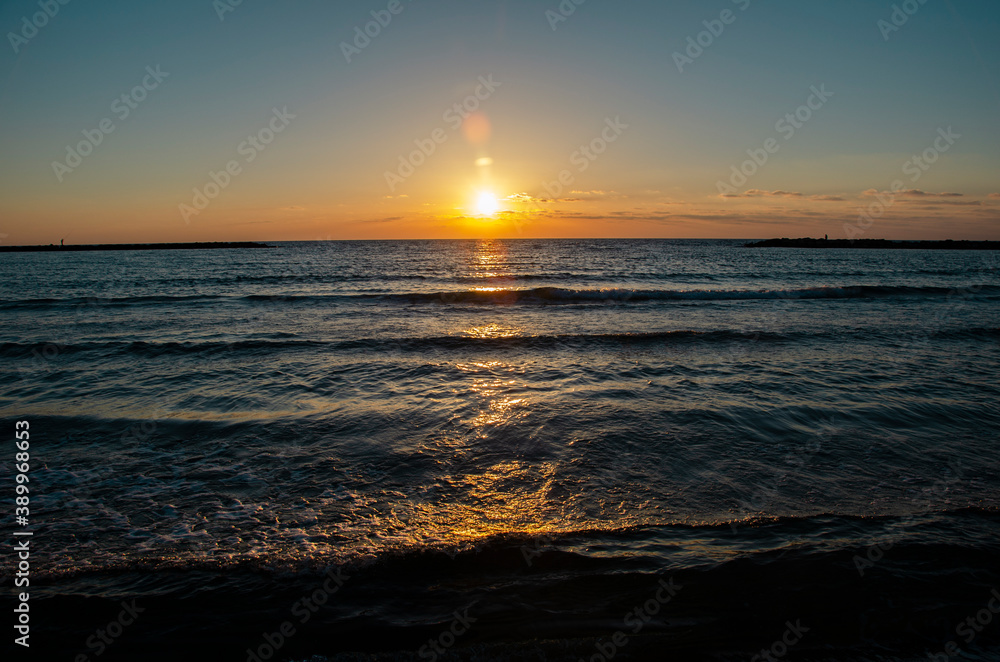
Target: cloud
pixel 758 193
pixel 958 203
pixel 384 220
pixel 524 197
pixel 935 200
pixel 917 193
pixel 994 195
pixel 912 193
pixel 733 218
pixel 576 196
pixel 911 217
pixel 595 194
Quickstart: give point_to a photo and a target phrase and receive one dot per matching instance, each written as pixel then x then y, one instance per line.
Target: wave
pixel 853 588
pixel 15 350
pixel 406 344
pixel 485 279
pixel 968 528
pixel 624 295
pixel 537 295
pixel 109 301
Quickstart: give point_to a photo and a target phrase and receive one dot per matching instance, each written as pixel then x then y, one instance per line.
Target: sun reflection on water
pixel 497 473
pixel 493 390
pixel 488 259
pixel 494 330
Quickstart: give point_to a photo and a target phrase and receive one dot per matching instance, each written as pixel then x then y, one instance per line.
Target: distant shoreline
pixel 53 248
pixel 809 242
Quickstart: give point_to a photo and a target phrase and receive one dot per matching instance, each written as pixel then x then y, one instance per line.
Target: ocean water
pixel 504 447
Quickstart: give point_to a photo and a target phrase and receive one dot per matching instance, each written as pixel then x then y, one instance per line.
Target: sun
pixel 487 204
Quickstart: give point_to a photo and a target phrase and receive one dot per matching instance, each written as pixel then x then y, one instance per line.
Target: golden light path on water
pixel 492 405
pixel 488 259
pixel 495 468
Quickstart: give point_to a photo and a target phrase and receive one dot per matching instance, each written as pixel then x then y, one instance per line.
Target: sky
pixel 201 120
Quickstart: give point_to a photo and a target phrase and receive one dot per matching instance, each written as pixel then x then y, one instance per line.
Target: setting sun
pixel 487 204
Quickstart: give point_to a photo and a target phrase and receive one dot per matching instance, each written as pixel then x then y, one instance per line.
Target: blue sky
pixel 324 175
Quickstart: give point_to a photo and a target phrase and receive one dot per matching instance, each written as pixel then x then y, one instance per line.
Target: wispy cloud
pixel 525 198
pixel 598 194
pixel 912 193
pixel 957 203
pixel 917 193
pixel 759 193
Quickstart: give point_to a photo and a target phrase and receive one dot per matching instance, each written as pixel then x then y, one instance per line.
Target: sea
pixel 504 450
